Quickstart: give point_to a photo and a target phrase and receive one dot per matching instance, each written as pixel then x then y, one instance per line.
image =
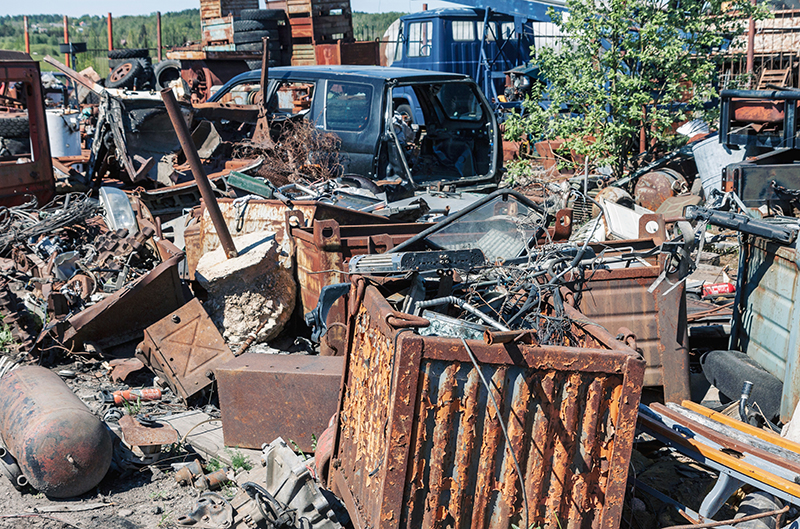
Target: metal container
pixel 711 157
pixel 321 254
pixel 420 442
pixel 619 297
pixel 301 392
pixel 62 449
pixel 766 324
pixel 64 131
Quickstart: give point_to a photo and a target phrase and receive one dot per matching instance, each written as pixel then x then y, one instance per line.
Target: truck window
pixel 491 31
pixel 293 97
pixel 347 106
pixel 419 39
pixel 458 101
pixel 463 30
pixel 246 93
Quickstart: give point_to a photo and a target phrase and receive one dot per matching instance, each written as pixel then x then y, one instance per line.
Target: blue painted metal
pixel 767 325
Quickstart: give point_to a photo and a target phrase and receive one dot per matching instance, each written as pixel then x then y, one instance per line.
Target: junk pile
pixel 192 292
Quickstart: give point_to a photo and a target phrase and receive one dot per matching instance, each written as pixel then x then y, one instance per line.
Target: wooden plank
pixel 207 439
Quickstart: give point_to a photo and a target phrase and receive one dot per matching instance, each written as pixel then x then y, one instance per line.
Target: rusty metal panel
pixel 766 324
pixel 222 8
pixel 301 393
pixel 619 298
pixel 18 181
pixel 184 348
pixel 420 443
pixel 121 317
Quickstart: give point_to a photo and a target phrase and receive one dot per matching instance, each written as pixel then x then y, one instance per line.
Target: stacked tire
pixel 131 69
pixel 14 134
pixel 253 26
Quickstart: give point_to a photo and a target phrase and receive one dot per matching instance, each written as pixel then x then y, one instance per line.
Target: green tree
pixel 624 65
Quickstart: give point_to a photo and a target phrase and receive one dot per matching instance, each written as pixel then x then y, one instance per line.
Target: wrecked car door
pixel 352 111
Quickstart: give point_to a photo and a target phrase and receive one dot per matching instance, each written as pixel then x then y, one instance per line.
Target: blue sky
pixel 143 7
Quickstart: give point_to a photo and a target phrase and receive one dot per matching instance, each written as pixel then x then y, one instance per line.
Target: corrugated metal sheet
pixel 767 325
pixel 420 443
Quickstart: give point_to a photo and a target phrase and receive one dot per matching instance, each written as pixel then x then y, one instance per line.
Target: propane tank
pixel 61 447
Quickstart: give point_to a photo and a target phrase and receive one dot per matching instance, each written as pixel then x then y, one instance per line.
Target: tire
pixel 405 110
pixel 256 36
pixel 133 53
pixel 14 127
pixel 241 26
pixel 146 79
pixel 255 47
pixel 14 146
pixel 125 75
pixel 262 14
pixel 166 72
pixel 727 370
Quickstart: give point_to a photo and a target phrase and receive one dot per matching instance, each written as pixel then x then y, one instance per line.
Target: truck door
pixel 352 111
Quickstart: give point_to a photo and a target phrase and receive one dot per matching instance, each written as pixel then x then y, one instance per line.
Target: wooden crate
pixel 222 8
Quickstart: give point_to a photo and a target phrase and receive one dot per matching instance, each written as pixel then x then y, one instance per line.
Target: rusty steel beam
pixel 67 57
pixel 158 33
pixel 110 33
pixel 203 184
pixel 27 35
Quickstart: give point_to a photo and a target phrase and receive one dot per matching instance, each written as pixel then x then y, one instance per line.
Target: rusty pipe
pixel 158 34
pixel 60 446
pixel 27 35
pixel 110 33
pixel 203 184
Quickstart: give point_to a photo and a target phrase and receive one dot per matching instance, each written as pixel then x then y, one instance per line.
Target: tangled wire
pixel 23 222
pixel 300 152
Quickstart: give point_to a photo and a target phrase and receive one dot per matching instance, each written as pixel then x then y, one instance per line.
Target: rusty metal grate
pixel 420 444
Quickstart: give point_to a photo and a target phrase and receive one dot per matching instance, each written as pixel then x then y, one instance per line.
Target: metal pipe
pixel 110 33
pixel 751 44
pixel 747 388
pixel 27 35
pixel 203 184
pixel 778 95
pixel 464 305
pixel 68 60
pixel 158 33
pixel 713 523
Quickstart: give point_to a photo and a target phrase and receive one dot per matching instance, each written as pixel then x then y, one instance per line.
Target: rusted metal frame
pixel 406 368
pixel 674 362
pixel 72 74
pixel 628 411
pixel 527 356
pixel 595 330
pixel 185 138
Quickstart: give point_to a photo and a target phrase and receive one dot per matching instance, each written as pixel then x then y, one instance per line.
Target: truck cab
pixel 480 43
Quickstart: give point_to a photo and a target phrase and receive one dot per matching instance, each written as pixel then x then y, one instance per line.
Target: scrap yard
pixel 499 267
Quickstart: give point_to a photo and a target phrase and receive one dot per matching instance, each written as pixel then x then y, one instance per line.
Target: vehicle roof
pixel 456 12
pixel 369 72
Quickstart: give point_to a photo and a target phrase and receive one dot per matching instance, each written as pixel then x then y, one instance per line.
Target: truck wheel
pixel 125 75
pixel 133 53
pixel 406 111
pixel 256 36
pixel 14 127
pixel 241 26
pixel 166 72
pixel 263 14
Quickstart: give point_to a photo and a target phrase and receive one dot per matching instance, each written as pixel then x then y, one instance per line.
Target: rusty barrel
pixel 61 447
pixel 655 187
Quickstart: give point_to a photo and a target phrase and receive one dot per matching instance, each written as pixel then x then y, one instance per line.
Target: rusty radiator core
pixel 420 442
